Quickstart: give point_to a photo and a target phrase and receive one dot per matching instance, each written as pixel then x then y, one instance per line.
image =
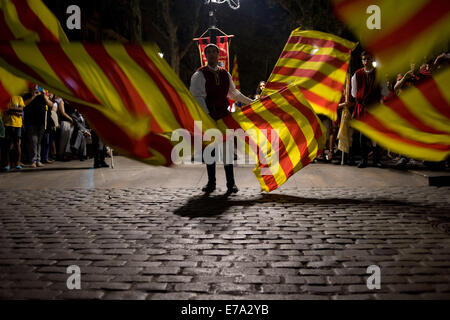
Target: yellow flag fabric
pixel 416 124
pixel 317 62
pixel 128 92
pixel 283 132
pixel 344 136
pixel 398 32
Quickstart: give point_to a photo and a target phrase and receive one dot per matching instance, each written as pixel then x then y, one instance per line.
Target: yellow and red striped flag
pixel 409 29
pixel 415 124
pixel 284 130
pixel 317 62
pixel 29 21
pixel 235 74
pixel 128 93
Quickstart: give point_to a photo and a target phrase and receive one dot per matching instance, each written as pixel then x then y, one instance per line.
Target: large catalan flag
pixel 317 62
pixel 128 92
pixel 29 21
pixel 284 133
pixel 410 30
pixel 416 123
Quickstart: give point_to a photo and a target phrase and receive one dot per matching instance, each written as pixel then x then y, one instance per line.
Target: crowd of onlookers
pixel 40 128
pixel 365 92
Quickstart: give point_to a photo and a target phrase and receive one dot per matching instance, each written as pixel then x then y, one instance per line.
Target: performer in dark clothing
pixel 211 86
pixel 365 92
pixel 99 151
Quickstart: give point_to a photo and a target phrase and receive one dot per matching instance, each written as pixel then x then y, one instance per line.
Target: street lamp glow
pixel 161 54
pixel 374 64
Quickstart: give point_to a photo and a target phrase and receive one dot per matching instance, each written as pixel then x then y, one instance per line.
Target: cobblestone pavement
pixel 162 243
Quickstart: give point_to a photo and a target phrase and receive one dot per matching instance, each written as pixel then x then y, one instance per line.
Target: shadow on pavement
pixel 213 206
pixel 209 206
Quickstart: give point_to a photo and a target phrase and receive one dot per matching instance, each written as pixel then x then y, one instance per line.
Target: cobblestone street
pixel 175 243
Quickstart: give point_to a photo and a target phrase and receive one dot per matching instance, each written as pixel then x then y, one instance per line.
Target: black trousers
pixel 99 148
pixel 229 172
pixel 364 144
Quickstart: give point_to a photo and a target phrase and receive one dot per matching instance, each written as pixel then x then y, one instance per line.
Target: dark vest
pixel 217 86
pixel 368 93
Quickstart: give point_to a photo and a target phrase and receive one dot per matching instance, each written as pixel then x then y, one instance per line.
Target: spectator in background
pixel 259 89
pixel 35 122
pixel 79 134
pixel 12 120
pixel 48 140
pixel 66 128
pixel 99 152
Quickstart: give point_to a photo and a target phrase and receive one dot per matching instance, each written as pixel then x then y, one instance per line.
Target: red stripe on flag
pixel 269 180
pixel 307 112
pixel 321 43
pixel 398 106
pixel 425 18
pixel 261 124
pixel 127 92
pixel 176 103
pixel 312 74
pixel 303 56
pixel 9 55
pixel 433 94
pixel 66 71
pixel 5 31
pixel 276 85
pixel 32 22
pixel 382 129
pixel 292 125
pixel 319 100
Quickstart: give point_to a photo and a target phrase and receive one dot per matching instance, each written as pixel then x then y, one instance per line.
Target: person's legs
pixel 9 145
pixel 211 171
pixel 19 148
pixel 40 134
pixel 228 159
pixel 32 133
pixel 364 151
pixel 355 145
pixel 45 146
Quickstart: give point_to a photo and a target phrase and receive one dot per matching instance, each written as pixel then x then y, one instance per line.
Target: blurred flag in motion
pixel 409 29
pixel 128 92
pixel 415 124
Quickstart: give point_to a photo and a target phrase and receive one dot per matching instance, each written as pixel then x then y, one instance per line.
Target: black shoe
pixel 232 189
pixel 209 188
pixel 103 164
pixel 362 164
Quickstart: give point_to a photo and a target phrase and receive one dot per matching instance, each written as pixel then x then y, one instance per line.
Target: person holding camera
pixel 35 115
